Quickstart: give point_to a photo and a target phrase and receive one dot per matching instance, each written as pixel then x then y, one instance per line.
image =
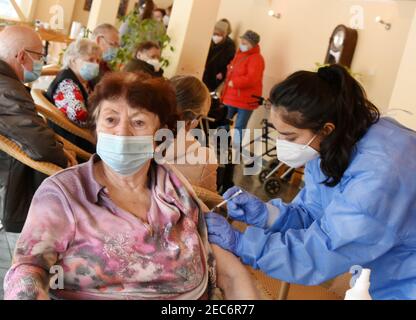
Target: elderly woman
pixel 196 162
pixel 122 226
pixel 70 90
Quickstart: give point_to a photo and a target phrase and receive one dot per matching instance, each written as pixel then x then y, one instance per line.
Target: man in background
pixel 21 61
pixel 108 39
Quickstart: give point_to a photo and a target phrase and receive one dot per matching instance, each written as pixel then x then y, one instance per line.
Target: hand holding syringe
pixel 226 201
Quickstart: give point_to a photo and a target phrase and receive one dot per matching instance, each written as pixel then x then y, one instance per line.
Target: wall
pixel 80 14
pixel 404 93
pixel 190 34
pixel 42 7
pixel 300 38
pixel 163 3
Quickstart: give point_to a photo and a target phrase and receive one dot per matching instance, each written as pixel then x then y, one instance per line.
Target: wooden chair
pixel 51 113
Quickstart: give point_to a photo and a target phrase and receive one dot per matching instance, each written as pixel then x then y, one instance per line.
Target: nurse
pixel 358 206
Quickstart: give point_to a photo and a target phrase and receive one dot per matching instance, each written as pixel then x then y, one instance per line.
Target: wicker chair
pixel 51 113
pixel 82 154
pixel 13 150
pixel 50 70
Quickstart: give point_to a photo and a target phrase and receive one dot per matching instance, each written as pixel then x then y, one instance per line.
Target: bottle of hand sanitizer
pixel 360 291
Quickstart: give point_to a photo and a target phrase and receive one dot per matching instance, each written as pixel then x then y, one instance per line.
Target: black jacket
pixel 64 75
pixel 20 123
pixel 219 57
pixel 136 65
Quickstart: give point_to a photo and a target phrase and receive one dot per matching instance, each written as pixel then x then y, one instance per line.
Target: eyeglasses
pixel 39 54
pixel 111 44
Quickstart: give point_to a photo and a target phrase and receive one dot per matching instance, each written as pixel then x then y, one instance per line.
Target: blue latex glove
pixel 247 208
pixel 221 233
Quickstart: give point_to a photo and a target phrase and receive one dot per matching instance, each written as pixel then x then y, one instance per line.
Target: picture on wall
pixel 122 9
pixel 87 5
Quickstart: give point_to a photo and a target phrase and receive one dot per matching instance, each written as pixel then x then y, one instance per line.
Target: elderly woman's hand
pixel 221 233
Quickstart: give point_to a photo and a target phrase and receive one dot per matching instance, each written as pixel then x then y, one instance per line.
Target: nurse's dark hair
pixel 309 100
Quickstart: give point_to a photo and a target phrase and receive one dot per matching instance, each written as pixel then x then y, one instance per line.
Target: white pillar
pixel 191 27
pixel 404 93
pixel 103 11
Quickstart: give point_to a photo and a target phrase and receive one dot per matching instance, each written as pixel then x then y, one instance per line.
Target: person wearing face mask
pixel 21 60
pixel 358 205
pixel 159 14
pixel 244 80
pixel 166 18
pixel 147 60
pixel 196 162
pixel 221 53
pixel 134 227
pixel 70 90
pixel 107 37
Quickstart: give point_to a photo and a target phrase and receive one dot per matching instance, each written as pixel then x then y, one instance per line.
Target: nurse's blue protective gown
pixel 368 219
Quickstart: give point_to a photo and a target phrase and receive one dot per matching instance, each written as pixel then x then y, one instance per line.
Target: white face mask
pixel 155 63
pixel 166 20
pixel 217 39
pixel 295 155
pixel 244 48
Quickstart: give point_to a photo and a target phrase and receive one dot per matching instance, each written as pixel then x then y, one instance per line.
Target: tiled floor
pixel 7 244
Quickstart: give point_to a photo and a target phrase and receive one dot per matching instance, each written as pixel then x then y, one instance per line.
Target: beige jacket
pixel 197 163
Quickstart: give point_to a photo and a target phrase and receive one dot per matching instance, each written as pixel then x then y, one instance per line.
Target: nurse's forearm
pixel 288 216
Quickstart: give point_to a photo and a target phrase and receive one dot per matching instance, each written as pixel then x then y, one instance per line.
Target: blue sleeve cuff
pixel 273 214
pixel 251 245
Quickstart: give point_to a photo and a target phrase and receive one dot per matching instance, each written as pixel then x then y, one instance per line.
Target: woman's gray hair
pixel 191 95
pixel 79 49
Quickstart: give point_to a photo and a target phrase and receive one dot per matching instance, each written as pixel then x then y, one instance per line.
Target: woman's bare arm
pixel 233 277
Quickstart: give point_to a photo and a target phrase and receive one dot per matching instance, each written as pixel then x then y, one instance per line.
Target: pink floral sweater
pixel 105 252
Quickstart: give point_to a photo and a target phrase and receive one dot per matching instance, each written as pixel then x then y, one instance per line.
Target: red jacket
pixel 246 72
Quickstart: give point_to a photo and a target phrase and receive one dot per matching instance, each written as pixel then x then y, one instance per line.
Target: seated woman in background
pixel 70 90
pixel 122 226
pixel 194 101
pixel 147 60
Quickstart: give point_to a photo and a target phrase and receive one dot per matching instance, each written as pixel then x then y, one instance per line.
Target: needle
pixel 226 201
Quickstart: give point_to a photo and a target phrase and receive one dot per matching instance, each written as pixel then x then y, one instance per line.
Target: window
pixel 7 10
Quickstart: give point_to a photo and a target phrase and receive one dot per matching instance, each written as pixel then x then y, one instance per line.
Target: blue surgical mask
pixel 125 155
pixel 89 71
pixel 110 54
pixel 244 48
pixel 31 76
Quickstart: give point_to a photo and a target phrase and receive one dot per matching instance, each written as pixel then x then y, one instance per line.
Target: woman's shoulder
pixel 64 74
pixel 389 137
pixel 72 179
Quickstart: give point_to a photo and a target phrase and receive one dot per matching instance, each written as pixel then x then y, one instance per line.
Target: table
pixel 47 35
